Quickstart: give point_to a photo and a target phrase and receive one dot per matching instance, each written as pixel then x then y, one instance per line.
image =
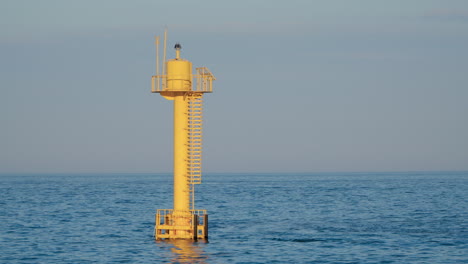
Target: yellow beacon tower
pixel 176 83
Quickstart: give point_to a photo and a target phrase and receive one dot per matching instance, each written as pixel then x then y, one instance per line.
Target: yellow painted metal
pixel 179 75
pixel 175 83
pixel 168 224
pixel 181 188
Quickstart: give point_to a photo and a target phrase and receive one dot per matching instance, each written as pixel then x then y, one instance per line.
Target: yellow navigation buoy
pixel 175 83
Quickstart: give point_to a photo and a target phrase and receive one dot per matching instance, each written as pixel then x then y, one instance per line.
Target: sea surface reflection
pixel 185 250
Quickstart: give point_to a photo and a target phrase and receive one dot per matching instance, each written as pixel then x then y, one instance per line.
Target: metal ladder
pixel 194 142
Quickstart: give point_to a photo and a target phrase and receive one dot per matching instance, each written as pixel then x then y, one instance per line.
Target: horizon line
pixel 238 172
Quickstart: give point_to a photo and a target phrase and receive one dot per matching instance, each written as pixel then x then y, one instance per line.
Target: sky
pixel 302 86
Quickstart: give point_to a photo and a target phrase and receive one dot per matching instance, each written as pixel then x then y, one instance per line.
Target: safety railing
pixel 158 83
pixel 192 224
pixel 204 82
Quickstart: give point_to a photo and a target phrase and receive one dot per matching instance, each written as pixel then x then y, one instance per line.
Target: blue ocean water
pixel 254 218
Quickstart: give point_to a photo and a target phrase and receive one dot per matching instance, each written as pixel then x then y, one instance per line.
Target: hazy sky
pixel 306 86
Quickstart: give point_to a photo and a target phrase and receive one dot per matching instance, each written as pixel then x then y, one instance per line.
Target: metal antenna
pixel 164 58
pixel 157 59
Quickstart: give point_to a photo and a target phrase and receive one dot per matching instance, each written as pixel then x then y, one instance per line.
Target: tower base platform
pixel 173 224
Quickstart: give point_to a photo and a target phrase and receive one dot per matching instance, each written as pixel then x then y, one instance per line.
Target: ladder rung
pixel 194 139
